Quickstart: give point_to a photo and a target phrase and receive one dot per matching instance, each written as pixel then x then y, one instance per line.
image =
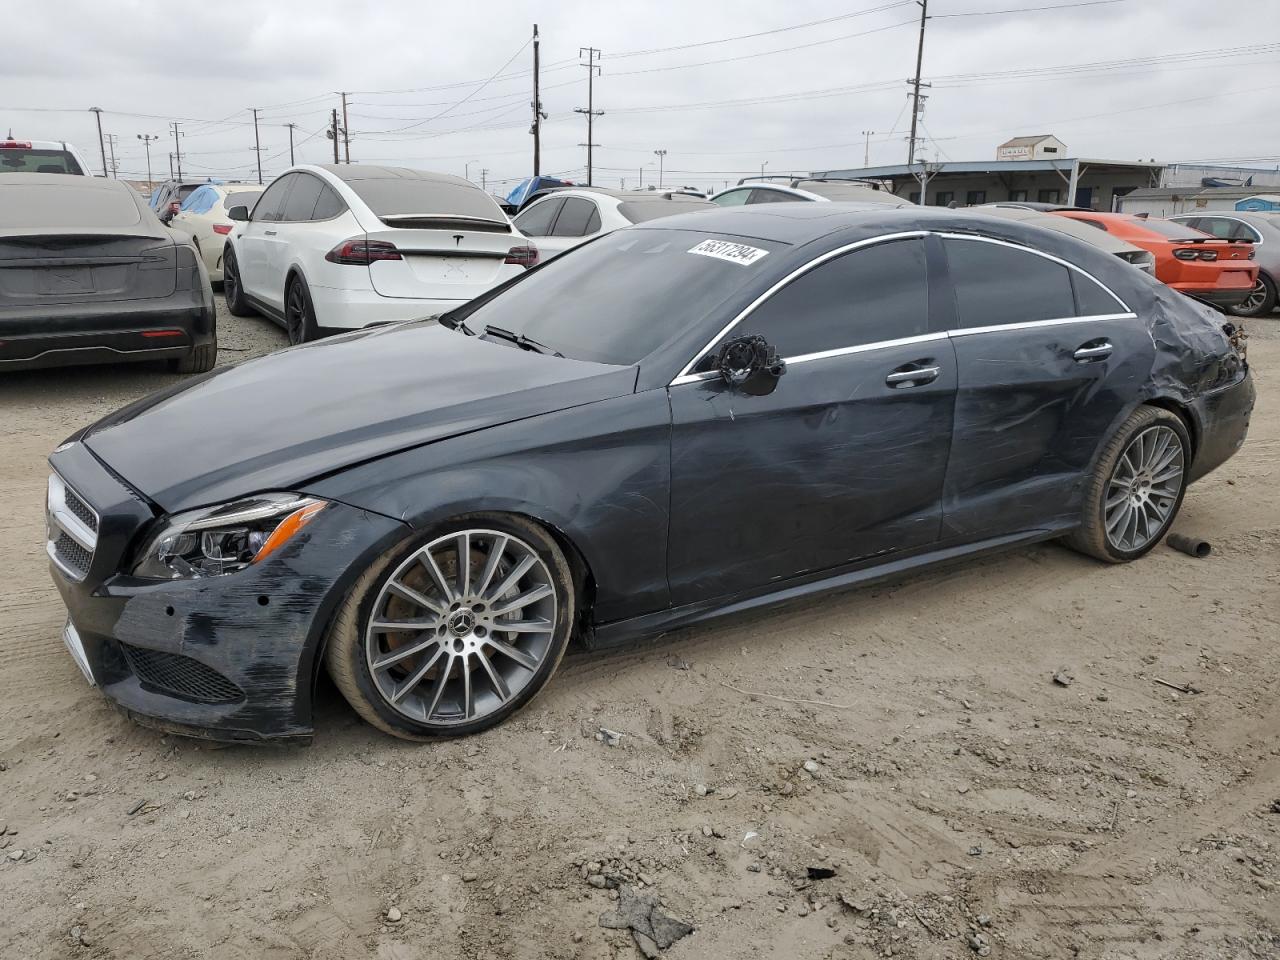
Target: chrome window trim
pixel 686 374
pixel 1038 253
pixel 1178 218
pixel 1032 324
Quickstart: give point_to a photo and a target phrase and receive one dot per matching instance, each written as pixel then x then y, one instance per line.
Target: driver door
pixel 844 460
pixel 253 254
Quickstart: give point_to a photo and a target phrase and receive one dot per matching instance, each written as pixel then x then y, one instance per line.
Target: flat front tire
pixel 1136 487
pixel 454 630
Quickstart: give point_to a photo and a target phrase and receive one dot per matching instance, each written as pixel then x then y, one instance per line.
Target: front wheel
pixel 232 290
pixel 454 631
pixel 1136 487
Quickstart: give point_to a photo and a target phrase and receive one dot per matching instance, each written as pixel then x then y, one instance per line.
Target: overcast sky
pixel 425 93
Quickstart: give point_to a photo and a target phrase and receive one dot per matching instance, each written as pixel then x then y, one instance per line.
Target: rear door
pixel 253 249
pixel 537 219
pixel 1048 360
pixel 453 238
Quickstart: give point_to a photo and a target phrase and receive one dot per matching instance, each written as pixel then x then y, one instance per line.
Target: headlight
pixel 226 538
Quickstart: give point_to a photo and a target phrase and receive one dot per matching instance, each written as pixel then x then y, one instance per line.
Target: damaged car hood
pixel 277 421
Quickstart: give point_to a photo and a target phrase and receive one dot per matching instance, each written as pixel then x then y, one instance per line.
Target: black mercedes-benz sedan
pixel 715 412
pixel 89 275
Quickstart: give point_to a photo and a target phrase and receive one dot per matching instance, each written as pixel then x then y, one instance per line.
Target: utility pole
pixel 170 164
pixel 538 115
pixel 763 164
pixel 292 127
pixel 346 136
pixel 915 82
pixel 177 148
pixel 146 139
pixel 622 183
pixel 866 153
pixel 111 144
pixel 484 177
pixel 592 69
pixel 661 155
pixel 333 134
pixel 257 144
pixel 97 112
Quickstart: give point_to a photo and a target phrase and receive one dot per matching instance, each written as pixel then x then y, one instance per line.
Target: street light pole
pixel 146 139
pixel 661 155
pixel 866 153
pixel 762 166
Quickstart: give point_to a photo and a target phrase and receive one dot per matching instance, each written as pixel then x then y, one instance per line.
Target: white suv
pixel 341 246
pixel 41 156
pixel 757 190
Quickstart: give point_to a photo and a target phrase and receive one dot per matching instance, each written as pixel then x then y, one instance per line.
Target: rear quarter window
pixel 997 285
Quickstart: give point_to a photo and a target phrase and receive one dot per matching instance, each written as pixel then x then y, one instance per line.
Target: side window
pixel 995 284
pixel 771 196
pixel 536 220
pixel 302 198
pixel 593 224
pixel 329 205
pixel 1091 299
pixel 732 198
pixel 1245 232
pixel 1216 226
pixel 1195 223
pixel 271 203
pixel 943 197
pixel 867 295
pixel 574 217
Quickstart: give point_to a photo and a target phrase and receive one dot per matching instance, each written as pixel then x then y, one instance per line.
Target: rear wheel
pixel 1262 299
pixel 299 314
pixel 232 291
pixel 1136 487
pixel 454 631
pixel 201 359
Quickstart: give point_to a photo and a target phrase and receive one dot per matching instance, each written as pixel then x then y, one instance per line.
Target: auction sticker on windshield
pixel 738 253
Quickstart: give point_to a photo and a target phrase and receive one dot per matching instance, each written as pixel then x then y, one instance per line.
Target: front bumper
pixel 1223 422
pixel 226 658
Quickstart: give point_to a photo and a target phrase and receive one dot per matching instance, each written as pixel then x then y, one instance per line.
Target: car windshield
pixel 65 205
pixel 1167 228
pixel 21 160
pixel 619 298
pixel 242 198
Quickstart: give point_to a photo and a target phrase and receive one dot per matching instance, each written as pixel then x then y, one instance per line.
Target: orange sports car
pixel 1219 272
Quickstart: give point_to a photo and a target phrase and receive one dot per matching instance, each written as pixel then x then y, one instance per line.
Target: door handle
pixel 268 233
pixel 1087 353
pixel 914 376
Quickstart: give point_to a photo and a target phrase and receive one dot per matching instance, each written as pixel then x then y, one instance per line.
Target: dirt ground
pixel 910 738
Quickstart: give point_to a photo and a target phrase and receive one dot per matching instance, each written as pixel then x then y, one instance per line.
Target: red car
pixel 1219 272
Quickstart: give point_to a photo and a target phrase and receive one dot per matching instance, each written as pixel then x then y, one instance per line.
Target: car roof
pixel 350 172
pixel 104 184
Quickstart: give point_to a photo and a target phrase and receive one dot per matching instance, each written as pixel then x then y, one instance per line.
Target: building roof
pixel 1028 141
pixel 988 166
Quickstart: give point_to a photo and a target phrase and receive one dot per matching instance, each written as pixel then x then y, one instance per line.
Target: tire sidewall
pixel 1143 419
pixel 236 304
pixel 355 649
pixel 1268 303
pixel 309 330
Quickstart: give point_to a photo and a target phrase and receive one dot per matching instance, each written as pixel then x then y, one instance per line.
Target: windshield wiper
pixel 520 340
pixel 447 321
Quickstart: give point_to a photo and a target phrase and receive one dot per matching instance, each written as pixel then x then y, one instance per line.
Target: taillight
pixel 525 256
pixel 15 144
pixel 1185 253
pixel 361 252
pixel 1208 254
pixel 222 228
pixel 1252 253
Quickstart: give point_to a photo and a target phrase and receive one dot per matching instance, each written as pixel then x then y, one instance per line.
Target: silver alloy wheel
pixel 1257 297
pixel 1144 488
pixel 461 627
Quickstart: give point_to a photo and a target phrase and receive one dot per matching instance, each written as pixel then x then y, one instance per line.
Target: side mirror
pixel 749 364
pixel 238 212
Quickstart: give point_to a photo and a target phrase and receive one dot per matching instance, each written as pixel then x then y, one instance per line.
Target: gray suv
pixel 1260 229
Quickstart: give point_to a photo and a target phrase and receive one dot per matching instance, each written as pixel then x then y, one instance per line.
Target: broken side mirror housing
pixel 750 364
pixel 238 212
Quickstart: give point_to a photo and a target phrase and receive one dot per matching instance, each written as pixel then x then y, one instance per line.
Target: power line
pixel 1060 6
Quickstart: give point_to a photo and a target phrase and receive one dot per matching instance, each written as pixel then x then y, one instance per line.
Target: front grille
pixel 82 510
pixel 72 554
pixel 72 529
pixel 180 676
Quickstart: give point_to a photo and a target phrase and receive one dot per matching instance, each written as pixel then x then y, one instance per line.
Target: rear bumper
pixel 208 657
pixel 1223 420
pixel 125 331
pixel 344 309
pixel 1216 296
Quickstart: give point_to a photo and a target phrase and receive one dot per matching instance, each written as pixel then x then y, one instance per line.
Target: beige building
pixel 1042 147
